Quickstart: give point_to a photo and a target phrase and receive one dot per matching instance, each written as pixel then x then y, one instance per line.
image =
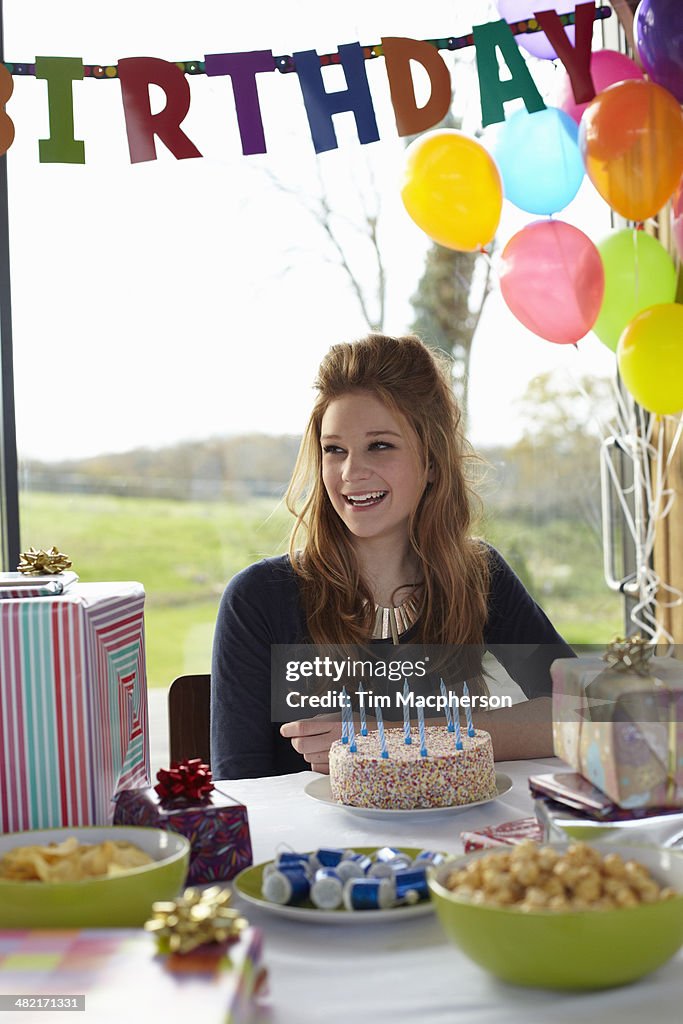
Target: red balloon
pixel 552 279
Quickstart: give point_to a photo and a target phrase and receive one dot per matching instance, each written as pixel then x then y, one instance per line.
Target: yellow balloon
pixel 452 189
pixel 650 358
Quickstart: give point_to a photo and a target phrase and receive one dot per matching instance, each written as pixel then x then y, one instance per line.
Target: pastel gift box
pixel 218 829
pixel 622 731
pixel 123 978
pixel 73 715
pixel 510 833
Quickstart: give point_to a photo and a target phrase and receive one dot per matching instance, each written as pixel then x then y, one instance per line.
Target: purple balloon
pixel 535 43
pixel 658 32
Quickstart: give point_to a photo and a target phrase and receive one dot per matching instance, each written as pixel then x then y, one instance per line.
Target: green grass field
pixel 185 552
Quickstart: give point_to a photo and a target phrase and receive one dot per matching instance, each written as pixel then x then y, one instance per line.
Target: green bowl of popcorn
pixel 564 916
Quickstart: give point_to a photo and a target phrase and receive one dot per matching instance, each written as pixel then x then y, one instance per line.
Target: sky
pixel 175 300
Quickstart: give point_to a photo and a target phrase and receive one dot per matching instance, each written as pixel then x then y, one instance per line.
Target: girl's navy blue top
pixel 261 606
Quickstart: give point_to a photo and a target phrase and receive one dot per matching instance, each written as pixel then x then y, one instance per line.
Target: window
pixel 169 315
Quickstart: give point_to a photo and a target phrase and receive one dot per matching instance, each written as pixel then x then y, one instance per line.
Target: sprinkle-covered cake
pixel 405 780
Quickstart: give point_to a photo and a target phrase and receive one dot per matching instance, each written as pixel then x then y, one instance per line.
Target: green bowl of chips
pixel 570 948
pixel 53 878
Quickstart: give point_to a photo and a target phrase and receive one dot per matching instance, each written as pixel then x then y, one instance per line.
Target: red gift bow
pixel 187 780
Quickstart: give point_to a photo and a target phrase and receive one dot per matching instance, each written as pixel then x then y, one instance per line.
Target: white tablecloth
pixel 407 971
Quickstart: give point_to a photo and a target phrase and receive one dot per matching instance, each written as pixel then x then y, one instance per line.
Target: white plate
pixel 319 789
pixel 248 884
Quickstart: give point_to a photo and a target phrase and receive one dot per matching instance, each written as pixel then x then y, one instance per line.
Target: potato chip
pixel 127 855
pixel 71 861
pixel 95 860
pixel 53 851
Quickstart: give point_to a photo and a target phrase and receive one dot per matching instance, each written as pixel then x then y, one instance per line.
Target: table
pixel 386 974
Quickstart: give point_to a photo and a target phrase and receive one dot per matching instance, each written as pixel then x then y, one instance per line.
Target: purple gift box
pixel 218 829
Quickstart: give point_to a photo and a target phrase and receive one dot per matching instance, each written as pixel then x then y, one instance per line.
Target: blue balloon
pixel 539 159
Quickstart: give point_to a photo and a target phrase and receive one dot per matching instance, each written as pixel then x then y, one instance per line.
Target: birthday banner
pixel 143 128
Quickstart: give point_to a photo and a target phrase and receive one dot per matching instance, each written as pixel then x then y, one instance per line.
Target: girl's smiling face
pixel 371 467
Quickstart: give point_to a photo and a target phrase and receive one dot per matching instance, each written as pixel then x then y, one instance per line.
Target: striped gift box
pixel 73 715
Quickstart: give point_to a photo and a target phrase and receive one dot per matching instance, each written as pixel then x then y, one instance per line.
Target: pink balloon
pixel 607 67
pixel 677 217
pixel 552 279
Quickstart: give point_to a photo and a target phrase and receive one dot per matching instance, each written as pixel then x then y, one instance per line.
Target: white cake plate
pixel 319 789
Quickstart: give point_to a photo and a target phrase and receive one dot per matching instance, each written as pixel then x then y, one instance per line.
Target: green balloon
pixel 638 273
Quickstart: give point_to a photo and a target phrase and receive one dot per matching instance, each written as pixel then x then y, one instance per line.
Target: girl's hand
pixel 313 737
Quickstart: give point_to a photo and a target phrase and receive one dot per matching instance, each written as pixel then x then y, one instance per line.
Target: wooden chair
pixel 189 699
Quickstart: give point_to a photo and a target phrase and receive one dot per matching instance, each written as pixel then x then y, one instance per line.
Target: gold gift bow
pixel 36 562
pixel 630 654
pixel 195 919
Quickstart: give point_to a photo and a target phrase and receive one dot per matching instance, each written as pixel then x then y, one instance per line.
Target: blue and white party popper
pixel 327 890
pixel 368 894
pixel 286 885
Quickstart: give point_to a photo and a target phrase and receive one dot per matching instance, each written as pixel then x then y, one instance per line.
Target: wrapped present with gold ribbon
pixel 618 720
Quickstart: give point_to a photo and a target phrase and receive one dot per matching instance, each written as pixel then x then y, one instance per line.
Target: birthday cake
pixel 405 779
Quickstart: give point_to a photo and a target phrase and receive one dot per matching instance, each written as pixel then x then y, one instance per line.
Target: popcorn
pixel 530 878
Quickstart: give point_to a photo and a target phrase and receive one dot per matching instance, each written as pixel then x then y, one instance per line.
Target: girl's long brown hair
pixel 413 382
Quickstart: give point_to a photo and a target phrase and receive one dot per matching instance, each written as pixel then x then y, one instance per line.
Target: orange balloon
pixel 631 140
pixel 452 189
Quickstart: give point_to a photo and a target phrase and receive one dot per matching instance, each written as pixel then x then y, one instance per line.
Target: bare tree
pixel 448 305
pixel 339 228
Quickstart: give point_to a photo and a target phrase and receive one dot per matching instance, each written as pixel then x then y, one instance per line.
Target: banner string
pixel 286 64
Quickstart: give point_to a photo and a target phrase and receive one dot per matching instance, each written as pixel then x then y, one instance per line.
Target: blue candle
pixel 421 726
pixel 447 708
pixel 380 729
pixel 458 737
pixel 361 700
pixel 468 711
pixel 345 721
pixel 352 733
pixel 406 713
